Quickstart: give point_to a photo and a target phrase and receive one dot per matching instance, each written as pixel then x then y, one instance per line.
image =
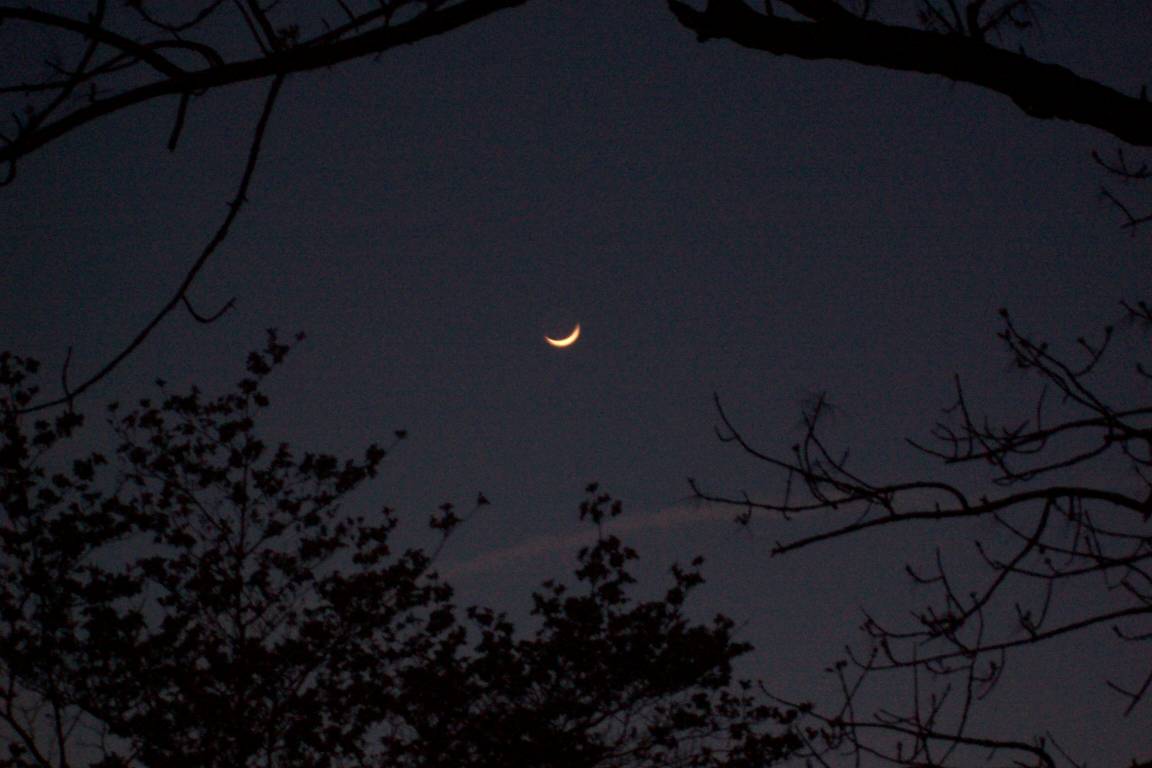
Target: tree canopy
pixel 201 598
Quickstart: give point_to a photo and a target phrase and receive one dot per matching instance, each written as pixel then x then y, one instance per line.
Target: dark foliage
pixel 201 598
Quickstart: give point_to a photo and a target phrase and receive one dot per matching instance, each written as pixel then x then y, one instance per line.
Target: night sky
pixel 716 219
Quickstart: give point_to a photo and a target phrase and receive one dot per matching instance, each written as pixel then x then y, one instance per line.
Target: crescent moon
pixel 567 341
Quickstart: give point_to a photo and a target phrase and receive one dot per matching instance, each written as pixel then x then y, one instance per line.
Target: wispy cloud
pixel 540 546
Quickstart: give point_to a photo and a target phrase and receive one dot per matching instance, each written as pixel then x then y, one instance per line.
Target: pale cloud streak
pixel 540 546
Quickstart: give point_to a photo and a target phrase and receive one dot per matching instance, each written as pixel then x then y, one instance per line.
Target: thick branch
pixel 1041 90
pixel 280 63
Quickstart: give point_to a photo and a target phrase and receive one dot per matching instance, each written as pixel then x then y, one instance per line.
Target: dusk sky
pixel 716 219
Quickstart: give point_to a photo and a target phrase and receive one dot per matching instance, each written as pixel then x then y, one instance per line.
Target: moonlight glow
pixel 567 341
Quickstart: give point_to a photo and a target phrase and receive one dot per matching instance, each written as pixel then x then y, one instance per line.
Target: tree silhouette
pixel 121 55
pixel 961 40
pixel 202 598
pixel 1066 550
pixel 954 39
pixel 72 70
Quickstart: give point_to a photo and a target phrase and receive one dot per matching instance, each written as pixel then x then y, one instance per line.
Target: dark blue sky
pixel 717 220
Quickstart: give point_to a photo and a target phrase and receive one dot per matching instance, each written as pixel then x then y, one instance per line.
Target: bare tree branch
pixel 180 297
pixel 299 58
pixel 1041 90
pixel 980 610
pixel 140 68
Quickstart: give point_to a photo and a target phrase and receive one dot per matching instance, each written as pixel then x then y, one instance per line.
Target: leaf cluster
pixel 203 598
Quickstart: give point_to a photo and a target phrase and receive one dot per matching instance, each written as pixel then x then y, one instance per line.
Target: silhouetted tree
pixel 200 598
pixel 70 69
pixel 962 40
pixel 59 72
pixel 118 55
pixel 1066 550
pixel 953 39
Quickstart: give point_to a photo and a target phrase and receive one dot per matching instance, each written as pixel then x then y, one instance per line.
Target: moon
pixel 568 340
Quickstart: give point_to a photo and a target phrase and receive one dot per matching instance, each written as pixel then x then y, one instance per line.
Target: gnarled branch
pixel 1041 90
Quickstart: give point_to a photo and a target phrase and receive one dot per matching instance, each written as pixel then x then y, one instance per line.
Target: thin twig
pixel 217 239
